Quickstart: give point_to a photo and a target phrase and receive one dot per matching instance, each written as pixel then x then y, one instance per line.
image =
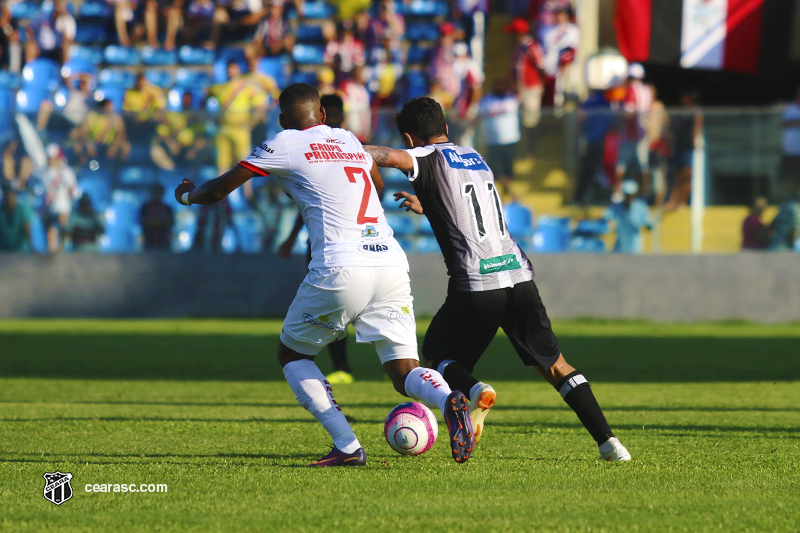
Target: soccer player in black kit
pixel 491 280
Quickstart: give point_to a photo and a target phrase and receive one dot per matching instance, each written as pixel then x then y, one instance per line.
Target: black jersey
pixel 458 195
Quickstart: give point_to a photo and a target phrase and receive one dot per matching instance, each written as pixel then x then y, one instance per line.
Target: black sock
pixel 338 351
pixel 578 394
pixel 456 375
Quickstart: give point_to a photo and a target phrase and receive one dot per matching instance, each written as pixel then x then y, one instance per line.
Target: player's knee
pixel 286 355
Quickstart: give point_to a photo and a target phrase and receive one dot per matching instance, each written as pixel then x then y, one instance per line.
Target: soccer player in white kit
pixel 358 273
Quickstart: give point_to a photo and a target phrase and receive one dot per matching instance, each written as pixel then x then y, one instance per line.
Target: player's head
pixel 334 110
pixel 421 122
pixel 300 107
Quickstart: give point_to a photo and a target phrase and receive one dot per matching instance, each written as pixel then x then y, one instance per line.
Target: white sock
pixel 315 394
pixel 427 386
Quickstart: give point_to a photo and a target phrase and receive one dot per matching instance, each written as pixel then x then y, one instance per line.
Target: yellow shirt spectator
pixel 144 100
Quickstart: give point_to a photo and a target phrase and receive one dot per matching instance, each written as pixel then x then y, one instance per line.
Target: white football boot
pixel 482 400
pixel 613 450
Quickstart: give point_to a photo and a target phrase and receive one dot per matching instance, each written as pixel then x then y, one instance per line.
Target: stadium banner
pixel 727 35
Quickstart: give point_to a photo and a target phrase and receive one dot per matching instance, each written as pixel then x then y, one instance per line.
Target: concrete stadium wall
pixel 681 288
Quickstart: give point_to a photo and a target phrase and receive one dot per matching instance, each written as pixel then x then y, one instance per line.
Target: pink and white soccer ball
pixel 411 428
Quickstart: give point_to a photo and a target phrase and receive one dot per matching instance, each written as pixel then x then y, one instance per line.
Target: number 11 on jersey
pixel 471 195
pixel 362 211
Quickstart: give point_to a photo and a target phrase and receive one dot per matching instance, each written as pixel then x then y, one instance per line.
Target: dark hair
pixel 422 117
pixel 297 95
pixel 334 110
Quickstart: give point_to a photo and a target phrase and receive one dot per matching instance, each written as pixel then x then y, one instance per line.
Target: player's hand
pixel 285 249
pixel 183 188
pixel 410 202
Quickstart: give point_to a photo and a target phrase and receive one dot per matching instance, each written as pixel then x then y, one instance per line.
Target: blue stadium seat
pixel 591 227
pixel 238 202
pixel 276 67
pixel 402 224
pixel 185 228
pixel 121 226
pixel 175 97
pixel 422 31
pixel 136 175
pixel 388 202
pixel 552 234
pixel 73 67
pixel 168 178
pixel 123 56
pixel 426 244
pixel 92 9
pixel 424 8
pixel 24 10
pixel 86 54
pixel 115 94
pixel 233 53
pixel 309 33
pixel 318 10
pixel 89 32
pixel 7 106
pixel 307 54
pixel 48 7
pixel 208 173
pixel 191 55
pixel 591 245
pixel 418 54
pixel 229 242
pixel 29 101
pixel 158 57
pixel 139 154
pixel 518 219
pixel 301 76
pixel 41 74
pixel 119 78
pixel 98 189
pixel 425 226
pixel 416 84
pixel 9 80
pixel 192 78
pixel 249 230
pixel 159 78
pixel 38 234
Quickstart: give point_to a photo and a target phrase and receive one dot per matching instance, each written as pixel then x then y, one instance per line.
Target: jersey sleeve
pixel 423 171
pixel 268 157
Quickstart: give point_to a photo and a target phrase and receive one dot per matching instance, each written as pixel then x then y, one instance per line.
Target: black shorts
pixel 468 321
pixel 500 158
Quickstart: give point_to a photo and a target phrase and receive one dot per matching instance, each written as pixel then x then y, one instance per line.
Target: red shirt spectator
pixel 348 48
pixel 443 59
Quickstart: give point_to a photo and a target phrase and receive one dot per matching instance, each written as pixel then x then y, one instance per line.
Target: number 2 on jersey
pixel 362 211
pixel 471 194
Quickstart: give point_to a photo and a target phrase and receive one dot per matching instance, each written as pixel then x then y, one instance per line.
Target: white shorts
pixel 376 300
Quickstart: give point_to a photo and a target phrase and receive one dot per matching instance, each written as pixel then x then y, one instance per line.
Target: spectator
pixel 656 130
pixel 470 78
pixel 169 11
pixel 263 81
pixel 10 46
pixel 180 138
pixel 443 59
pixel 560 47
pixel 61 188
pixel 326 79
pixel 598 119
pixel 201 24
pixel 785 226
pixel 126 21
pixel 242 107
pixel 144 101
pixel 527 71
pixel 102 135
pixel 790 140
pixel 348 9
pixel 357 115
pixel 386 24
pixel 15 231
pixel 630 216
pixel 211 223
pixel 755 234
pixel 51 35
pixel 347 52
pixel 84 226
pixel 687 128
pixel 437 92
pixel 17 165
pixel 467 11
pixel 633 149
pixel 544 14
pixel 157 220
pixel 274 35
pixel 334 110
pixel 76 109
pixel 499 111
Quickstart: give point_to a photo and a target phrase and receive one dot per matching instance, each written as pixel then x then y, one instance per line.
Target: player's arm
pixel 214 190
pixel 389 157
pixel 377 179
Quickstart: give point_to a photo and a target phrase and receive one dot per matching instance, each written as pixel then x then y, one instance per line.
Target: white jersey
pixel 327 173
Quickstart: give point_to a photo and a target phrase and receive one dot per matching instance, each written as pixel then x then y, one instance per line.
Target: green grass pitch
pixel 710 413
